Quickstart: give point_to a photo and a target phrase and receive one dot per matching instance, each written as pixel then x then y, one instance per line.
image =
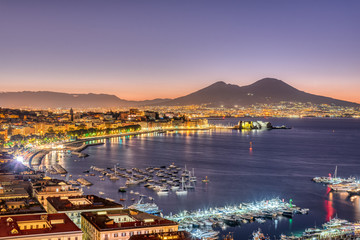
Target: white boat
pixel 181 191
pixel 192 177
pixel 163 191
pixel 174 188
pixel 150 208
pixel 101 193
pixel 131 181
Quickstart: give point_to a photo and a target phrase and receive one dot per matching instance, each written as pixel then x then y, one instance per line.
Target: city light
pixel 20 159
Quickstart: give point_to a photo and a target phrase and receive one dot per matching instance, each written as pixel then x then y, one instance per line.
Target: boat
pixel 84 182
pixel 181 191
pixel 131 181
pixel 122 189
pixel 150 208
pixel 288 213
pixel 162 191
pixel 192 177
pixel 258 235
pixel 101 193
pixel 206 180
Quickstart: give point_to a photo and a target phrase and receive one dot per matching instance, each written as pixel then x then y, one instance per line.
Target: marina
pixel 200 222
pixel 336 228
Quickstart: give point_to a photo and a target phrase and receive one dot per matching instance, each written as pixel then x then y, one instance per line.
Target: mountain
pixel 44 99
pixel 267 90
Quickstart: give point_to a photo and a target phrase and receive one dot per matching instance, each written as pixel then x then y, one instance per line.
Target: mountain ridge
pixel 266 90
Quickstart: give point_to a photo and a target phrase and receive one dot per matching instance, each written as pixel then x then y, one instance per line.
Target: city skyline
pixel 140 50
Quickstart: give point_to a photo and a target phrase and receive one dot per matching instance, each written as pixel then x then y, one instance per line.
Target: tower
pixel 71 115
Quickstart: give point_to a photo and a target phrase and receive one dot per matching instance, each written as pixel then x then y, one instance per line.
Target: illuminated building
pixel 39 227
pixel 20 206
pixel 180 235
pixel 47 187
pixel 74 206
pixel 122 224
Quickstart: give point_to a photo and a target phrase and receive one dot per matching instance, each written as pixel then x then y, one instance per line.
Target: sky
pixel 165 49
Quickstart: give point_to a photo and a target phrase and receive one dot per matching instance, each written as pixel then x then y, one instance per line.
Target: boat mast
pixel 335 172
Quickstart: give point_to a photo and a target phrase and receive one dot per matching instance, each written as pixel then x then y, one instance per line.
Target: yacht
pixel 150 208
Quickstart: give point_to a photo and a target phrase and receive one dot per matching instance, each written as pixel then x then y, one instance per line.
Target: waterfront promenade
pixel 79 145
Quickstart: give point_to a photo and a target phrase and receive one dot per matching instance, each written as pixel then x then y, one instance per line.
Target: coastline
pixel 36 158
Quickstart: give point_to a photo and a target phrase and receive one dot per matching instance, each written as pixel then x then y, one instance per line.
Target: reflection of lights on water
pixel 290 223
pixel 329 207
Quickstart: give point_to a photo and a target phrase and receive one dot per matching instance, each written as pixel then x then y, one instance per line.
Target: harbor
pixel 335 229
pixel 255 175
pixel 337 184
pixel 201 222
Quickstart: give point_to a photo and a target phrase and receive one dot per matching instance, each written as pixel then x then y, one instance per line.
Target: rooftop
pixel 28 225
pixel 20 206
pixel 125 219
pixel 81 203
pixel 180 235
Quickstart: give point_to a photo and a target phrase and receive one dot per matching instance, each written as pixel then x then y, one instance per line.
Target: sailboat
pixel 181 191
pixel 114 176
pixel 192 178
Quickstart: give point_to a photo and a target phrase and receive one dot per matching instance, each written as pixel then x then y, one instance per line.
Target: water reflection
pixel 329 205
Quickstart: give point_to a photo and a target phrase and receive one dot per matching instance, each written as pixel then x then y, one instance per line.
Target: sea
pixel 242 166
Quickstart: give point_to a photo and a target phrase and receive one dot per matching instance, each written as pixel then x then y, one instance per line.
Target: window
pixel 123 234
pixel 115 235
pixel 146 232
pixel 139 232
pixel 131 233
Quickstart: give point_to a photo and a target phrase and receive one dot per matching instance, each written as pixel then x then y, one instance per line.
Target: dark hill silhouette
pixel 44 99
pixel 267 90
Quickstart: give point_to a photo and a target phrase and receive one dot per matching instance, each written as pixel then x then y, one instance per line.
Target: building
pixel 71 115
pixel 180 235
pixel 38 227
pixel 122 224
pixel 24 206
pixel 47 187
pixel 74 206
